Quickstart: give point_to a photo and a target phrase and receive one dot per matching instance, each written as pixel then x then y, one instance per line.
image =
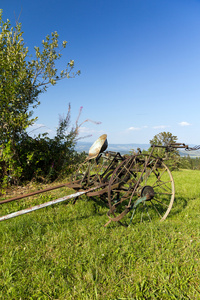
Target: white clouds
pixel 136 128
pixel 184 124
pixel 86 130
pixel 83 131
pixel 133 128
pixel 36 125
pixel 144 127
pixel 37 128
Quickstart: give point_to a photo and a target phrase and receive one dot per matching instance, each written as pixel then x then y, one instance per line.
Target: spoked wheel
pixel 150 194
pixel 157 186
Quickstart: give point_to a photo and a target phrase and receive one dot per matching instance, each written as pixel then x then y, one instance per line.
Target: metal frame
pixel 121 181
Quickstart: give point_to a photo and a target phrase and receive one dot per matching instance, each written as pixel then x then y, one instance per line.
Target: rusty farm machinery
pixel 137 186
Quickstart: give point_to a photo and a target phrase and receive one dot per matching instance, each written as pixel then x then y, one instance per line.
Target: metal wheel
pixel 150 190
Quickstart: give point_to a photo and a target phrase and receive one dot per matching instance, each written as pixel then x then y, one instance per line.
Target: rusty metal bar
pixel 30 209
pixel 34 193
pixel 173 145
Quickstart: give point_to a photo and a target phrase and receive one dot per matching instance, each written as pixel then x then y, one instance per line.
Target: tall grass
pixel 64 252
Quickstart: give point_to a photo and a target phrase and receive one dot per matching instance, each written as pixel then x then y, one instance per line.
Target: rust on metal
pixel 30 209
pixel 102 191
pixel 125 182
pixel 34 193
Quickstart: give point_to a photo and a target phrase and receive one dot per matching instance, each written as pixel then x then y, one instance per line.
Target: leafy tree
pixel 165 139
pixel 22 79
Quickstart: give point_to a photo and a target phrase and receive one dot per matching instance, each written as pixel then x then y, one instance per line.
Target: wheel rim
pixel 156 180
pixel 159 178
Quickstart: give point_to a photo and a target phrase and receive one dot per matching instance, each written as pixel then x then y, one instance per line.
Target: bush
pixel 47 159
pixel 42 158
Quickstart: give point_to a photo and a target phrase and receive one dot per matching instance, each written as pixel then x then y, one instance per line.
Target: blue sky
pixel 139 62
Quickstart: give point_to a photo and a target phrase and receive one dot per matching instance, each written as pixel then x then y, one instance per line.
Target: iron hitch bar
pixel 30 209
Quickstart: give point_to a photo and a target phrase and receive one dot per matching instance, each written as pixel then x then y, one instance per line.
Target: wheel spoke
pixel 156 209
pixel 160 183
pixel 151 179
pixel 162 203
pixel 163 193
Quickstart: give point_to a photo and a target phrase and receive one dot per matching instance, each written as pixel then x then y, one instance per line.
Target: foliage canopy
pixel 22 80
pixel 165 139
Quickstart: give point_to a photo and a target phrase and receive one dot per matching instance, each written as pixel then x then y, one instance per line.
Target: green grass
pixel 64 252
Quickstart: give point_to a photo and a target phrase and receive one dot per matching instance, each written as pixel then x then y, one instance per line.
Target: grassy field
pixel 64 252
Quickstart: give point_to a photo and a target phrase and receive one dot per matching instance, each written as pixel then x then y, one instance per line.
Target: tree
pixel 165 139
pixel 22 79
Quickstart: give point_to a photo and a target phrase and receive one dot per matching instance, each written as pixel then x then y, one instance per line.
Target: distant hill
pixel 126 148
pixel 122 148
pixel 192 154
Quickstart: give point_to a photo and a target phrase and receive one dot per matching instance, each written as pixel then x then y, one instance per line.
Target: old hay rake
pixel 137 186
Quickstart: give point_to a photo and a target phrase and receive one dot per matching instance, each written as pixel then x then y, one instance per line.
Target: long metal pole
pixel 33 193
pixel 30 209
